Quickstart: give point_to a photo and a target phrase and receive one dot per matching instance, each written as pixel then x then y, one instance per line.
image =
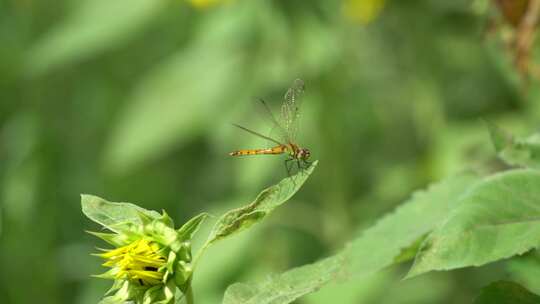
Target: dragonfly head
pixel 303 153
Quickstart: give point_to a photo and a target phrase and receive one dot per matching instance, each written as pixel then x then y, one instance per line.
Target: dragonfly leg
pixel 287 167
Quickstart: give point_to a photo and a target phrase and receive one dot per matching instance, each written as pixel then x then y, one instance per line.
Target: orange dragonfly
pixel 286 127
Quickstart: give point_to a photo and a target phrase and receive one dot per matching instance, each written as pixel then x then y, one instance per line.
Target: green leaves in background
pixel 93 26
pixel 269 199
pixel 185 95
pixel 525 270
pixel 374 250
pixel 498 218
pixel 516 151
pixel 171 105
pixel 504 292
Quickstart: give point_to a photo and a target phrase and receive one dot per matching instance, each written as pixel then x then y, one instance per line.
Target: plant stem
pixel 189 295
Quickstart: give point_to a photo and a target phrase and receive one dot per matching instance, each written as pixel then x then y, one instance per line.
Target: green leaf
pixel 498 218
pixel 93 26
pixel 516 151
pixel 189 229
pixel 111 215
pixel 409 252
pixel 504 292
pixel 286 287
pixel 374 250
pixel 381 244
pixel 526 270
pixel 356 291
pixel 242 218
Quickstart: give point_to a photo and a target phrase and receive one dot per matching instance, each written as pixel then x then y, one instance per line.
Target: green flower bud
pixel 150 260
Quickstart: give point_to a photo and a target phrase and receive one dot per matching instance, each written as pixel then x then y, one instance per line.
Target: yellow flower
pixel 140 261
pixel 362 11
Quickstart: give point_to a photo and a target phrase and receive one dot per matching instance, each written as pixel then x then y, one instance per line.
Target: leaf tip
pixel 412 273
pixel 499 138
pixel 417 268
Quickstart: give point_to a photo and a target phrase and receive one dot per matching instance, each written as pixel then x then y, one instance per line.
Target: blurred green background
pixel 133 100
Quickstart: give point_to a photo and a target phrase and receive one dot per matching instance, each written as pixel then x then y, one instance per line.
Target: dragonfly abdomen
pixel 274 150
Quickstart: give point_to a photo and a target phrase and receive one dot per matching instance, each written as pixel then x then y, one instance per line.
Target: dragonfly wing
pixel 290 110
pixel 277 130
pixel 258 134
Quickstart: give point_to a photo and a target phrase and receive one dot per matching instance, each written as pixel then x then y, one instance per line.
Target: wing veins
pixel 258 134
pixel 273 118
pixel 290 108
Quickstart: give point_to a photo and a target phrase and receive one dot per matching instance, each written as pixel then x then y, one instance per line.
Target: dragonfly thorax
pixel 299 153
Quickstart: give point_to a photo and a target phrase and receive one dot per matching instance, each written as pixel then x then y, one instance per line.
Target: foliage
pixel 374 250
pixel 152 259
pixel 504 292
pixel 473 224
pixel 516 151
pixel 134 102
pixel 242 218
pixel 496 219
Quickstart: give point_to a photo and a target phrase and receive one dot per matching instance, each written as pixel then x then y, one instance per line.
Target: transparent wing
pixel 290 110
pixel 270 139
pixel 277 129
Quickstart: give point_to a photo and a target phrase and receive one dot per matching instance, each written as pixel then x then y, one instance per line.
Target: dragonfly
pixel 286 127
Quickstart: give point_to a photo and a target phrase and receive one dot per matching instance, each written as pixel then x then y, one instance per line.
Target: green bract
pixel 151 259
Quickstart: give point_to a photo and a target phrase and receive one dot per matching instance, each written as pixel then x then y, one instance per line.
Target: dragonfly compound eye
pixel 304 153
